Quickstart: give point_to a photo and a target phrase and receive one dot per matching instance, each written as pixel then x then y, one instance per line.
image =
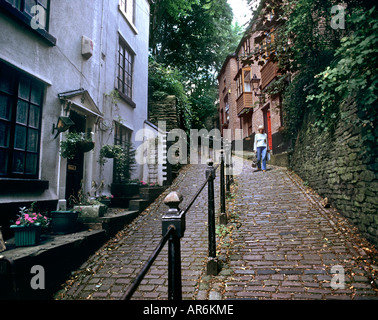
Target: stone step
pixel 138 204
pixel 111 223
pixel 56 256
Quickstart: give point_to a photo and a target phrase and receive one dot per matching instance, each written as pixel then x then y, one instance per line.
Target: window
pixel 20 124
pixel 246 49
pixel 122 137
pixel 243 82
pixel 247 80
pixel 125 70
pixel 127 8
pixel 39 14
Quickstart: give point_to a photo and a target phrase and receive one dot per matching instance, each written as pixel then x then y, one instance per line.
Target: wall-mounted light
pixel 256 85
pixel 63 124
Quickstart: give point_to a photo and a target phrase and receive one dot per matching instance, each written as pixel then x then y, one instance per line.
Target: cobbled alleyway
pixel 109 272
pixel 280 243
pixel 283 244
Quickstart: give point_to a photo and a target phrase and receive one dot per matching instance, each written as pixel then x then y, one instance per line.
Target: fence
pixel 173 227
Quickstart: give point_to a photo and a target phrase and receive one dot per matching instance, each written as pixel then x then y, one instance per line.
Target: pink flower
pixel 26 216
pixel 18 222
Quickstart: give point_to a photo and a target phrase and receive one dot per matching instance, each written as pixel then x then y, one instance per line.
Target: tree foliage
pixel 328 65
pixel 352 73
pixel 165 81
pixel 193 37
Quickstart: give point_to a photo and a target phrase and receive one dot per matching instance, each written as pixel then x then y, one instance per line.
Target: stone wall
pixel 338 166
pixel 164 110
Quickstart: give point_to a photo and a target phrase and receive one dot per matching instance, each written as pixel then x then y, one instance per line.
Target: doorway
pixel 75 166
pixel 268 125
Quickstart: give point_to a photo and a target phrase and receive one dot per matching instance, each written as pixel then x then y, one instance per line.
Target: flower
pixel 29 218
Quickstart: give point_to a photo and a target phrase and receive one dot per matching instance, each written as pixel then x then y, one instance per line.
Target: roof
pixel 82 100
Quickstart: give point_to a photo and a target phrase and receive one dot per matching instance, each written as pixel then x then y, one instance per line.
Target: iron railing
pixel 173 227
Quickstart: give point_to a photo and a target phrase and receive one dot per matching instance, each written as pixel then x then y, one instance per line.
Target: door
pixel 268 126
pixel 75 166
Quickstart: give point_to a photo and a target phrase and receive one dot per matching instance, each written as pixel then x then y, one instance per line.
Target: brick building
pixel 244 98
pixel 228 117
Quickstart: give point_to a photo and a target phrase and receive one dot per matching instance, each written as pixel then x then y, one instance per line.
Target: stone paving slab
pixel 283 244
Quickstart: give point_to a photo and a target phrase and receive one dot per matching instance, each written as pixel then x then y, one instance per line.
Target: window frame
pixel 17 10
pixel 121 82
pixel 122 137
pixel 123 6
pixel 243 85
pixel 31 126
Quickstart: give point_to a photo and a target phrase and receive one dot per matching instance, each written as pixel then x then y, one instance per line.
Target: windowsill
pixel 131 24
pixel 23 185
pixel 126 99
pixel 25 20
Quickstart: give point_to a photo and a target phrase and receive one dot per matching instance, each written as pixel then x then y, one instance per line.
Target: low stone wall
pixel 338 166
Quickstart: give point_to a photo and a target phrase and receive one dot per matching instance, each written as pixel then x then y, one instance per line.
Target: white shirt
pixel 260 140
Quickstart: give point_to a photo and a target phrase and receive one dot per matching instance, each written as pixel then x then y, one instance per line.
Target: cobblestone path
pixel 283 244
pixel 280 244
pixel 109 272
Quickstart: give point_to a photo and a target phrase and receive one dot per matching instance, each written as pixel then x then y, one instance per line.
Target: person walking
pixel 260 147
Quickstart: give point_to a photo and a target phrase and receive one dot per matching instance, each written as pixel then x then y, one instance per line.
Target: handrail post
pixel 174 218
pixel 223 214
pixel 227 152
pixel 212 263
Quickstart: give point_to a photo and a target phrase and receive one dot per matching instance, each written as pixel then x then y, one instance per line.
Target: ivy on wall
pixel 328 65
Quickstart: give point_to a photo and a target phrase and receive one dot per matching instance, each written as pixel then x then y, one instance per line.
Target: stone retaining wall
pixel 338 166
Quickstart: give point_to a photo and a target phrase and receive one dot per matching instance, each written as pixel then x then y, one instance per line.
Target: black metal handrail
pixel 134 286
pixel 173 225
pixel 199 191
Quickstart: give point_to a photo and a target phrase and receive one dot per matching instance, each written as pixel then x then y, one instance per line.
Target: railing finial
pixel 173 200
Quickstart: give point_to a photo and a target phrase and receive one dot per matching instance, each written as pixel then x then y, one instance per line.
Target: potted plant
pixel 150 191
pixel 86 206
pixel 106 200
pixel 75 143
pixel 28 226
pixel 124 162
pixel 64 222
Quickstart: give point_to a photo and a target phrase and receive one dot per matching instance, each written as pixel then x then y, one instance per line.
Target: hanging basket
pixel 75 143
pixel 85 146
pixel 109 154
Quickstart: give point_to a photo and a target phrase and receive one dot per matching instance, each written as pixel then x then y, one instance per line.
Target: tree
pixel 165 81
pixel 194 37
pixel 328 65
